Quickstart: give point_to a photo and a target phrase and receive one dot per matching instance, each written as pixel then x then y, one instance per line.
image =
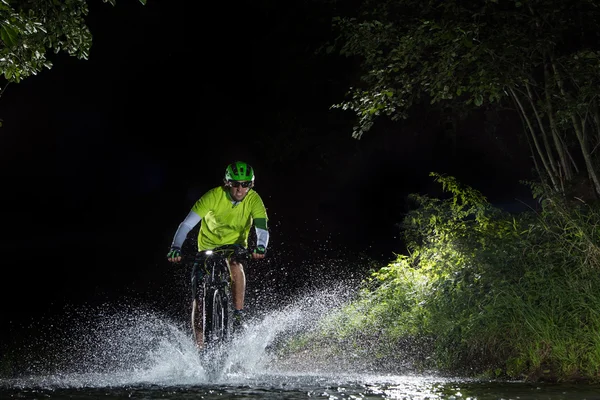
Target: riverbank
pixel 482 293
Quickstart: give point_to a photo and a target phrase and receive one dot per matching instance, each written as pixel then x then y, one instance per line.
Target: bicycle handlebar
pixel 222 251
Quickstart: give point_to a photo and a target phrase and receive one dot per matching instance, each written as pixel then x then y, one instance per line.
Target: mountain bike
pixel 212 305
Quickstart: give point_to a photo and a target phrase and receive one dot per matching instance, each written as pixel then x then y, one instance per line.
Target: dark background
pixel 102 159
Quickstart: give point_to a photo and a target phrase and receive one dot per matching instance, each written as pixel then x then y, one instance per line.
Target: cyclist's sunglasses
pixel 244 184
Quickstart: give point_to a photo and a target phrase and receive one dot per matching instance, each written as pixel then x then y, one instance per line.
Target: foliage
pixel 484 292
pixel 411 51
pixel 30 28
pixel 518 53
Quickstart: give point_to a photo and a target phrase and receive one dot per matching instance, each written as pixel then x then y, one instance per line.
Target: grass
pixel 483 293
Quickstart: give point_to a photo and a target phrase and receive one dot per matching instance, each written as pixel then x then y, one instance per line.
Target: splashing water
pixel 129 352
pixel 123 346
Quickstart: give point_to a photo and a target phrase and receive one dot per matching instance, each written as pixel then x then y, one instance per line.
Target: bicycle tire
pixel 217 323
pixel 211 318
pixel 212 304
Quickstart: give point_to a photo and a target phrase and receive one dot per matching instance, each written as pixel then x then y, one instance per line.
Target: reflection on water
pixel 303 387
pixel 141 355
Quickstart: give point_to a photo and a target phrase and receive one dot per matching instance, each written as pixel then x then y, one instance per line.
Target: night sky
pixel 101 159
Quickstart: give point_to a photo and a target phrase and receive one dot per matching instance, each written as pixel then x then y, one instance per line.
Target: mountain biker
pixel 226 214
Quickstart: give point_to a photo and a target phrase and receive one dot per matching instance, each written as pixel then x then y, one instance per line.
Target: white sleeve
pixel 184 228
pixel 262 237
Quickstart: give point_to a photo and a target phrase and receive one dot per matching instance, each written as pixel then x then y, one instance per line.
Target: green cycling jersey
pixel 225 221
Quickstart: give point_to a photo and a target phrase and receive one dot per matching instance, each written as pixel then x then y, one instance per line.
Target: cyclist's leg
pixel 238 283
pixel 198 317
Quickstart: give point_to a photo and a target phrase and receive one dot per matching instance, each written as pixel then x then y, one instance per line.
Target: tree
pixel 30 28
pixel 539 56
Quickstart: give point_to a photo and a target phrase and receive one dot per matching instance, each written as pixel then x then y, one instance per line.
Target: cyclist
pixel 226 214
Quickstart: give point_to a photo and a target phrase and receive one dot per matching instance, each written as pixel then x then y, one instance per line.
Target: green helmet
pixel 239 171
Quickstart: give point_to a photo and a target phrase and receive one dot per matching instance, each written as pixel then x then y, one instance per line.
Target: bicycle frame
pixel 212 302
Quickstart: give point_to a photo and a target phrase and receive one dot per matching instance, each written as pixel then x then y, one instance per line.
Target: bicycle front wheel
pixel 218 322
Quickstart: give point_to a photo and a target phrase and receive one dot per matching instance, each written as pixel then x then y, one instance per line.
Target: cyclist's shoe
pixel 238 320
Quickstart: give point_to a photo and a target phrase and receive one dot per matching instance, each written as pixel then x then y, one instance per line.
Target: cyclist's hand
pixel 259 252
pixel 174 255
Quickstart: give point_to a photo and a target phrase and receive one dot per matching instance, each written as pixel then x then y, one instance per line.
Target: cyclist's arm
pixel 262 237
pixel 262 232
pixel 184 228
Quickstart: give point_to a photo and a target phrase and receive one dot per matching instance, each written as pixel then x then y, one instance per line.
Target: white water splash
pixel 131 346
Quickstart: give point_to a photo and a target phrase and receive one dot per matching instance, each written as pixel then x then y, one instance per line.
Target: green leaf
pixel 9 35
pixel 478 100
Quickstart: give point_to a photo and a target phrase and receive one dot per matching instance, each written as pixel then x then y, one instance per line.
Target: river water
pixel 130 353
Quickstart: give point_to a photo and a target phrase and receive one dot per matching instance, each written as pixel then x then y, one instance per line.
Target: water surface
pixel 135 354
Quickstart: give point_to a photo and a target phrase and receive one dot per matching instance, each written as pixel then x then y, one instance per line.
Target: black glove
pixel 260 250
pixel 174 252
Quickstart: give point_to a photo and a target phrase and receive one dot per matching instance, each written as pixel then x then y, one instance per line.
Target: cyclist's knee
pixel 236 265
